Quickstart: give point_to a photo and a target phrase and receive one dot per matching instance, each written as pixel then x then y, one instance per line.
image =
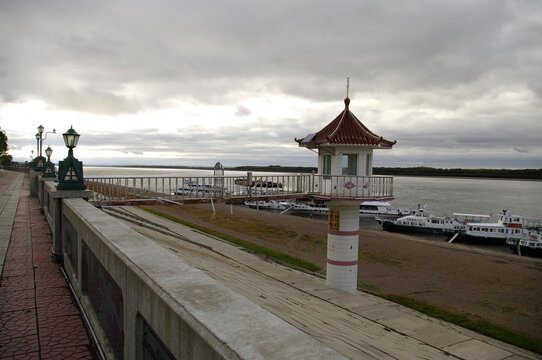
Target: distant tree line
pixel 412 171
pixel 484 173
pixel 276 168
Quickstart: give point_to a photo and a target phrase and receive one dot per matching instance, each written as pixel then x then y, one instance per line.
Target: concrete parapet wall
pixel 143 300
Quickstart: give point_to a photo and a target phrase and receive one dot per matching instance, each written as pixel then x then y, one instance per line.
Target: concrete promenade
pixel 38 318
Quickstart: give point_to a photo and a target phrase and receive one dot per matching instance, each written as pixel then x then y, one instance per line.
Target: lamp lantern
pixel 71 138
pixel 70 170
pixel 48 152
pixel 40 129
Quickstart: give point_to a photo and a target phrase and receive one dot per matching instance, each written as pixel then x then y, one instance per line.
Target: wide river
pixel 444 196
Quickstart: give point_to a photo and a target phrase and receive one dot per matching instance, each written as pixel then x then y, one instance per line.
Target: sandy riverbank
pixel 501 288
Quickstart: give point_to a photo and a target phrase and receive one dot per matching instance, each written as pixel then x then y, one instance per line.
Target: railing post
pixel 249 183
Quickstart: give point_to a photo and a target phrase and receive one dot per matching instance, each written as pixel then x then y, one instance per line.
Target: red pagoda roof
pixel 346 129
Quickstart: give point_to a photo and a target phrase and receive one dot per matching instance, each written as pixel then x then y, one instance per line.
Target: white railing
pixel 362 187
pixel 228 187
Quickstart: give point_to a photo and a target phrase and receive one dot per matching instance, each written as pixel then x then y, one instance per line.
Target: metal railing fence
pixel 229 187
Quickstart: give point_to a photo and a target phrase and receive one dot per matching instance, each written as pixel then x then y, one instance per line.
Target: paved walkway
pixel 38 319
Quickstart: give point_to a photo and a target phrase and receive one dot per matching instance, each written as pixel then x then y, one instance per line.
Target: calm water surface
pixel 480 196
pixel 444 196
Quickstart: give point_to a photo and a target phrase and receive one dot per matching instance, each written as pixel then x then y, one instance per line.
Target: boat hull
pixel 481 239
pixel 392 226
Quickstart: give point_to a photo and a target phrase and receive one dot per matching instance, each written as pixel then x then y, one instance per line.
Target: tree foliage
pixel 3 142
pixel 5 158
pixel 275 168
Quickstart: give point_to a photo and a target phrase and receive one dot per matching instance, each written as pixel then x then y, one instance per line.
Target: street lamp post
pixel 39 161
pixel 70 170
pixel 40 133
pixel 49 170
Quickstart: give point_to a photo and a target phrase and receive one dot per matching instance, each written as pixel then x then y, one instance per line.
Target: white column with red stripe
pixel 342 245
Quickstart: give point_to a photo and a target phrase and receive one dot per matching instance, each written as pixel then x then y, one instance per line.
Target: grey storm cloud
pixel 452 74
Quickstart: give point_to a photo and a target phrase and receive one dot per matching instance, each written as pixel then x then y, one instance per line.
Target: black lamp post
pixel 70 170
pixel 40 133
pixel 37 144
pixel 49 170
pixel 39 161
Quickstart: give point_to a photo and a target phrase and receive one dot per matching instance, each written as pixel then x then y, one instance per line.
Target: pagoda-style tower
pixel 345 156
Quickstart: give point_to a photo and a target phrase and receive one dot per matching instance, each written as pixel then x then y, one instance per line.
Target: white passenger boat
pixel 423 221
pixel 195 189
pixel 380 208
pixel 366 209
pixel 266 204
pixel 306 207
pixel 507 227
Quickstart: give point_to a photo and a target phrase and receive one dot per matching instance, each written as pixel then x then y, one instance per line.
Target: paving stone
pixel 27 356
pixel 19 283
pixel 55 306
pixel 12 298
pixel 47 280
pixel 477 350
pixel 15 324
pixel 64 330
pixel 72 353
pixel 52 292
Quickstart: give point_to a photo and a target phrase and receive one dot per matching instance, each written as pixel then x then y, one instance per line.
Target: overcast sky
pixel 456 83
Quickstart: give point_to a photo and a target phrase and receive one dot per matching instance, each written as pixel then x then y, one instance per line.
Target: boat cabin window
pixel 350 164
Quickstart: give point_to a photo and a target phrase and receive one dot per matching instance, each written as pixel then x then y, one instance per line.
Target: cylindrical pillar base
pixel 342 245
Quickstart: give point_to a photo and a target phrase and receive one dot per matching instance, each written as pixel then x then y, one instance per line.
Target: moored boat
pixel 378 208
pixel 423 221
pixel 507 227
pixel 266 204
pixel 366 209
pixel 196 189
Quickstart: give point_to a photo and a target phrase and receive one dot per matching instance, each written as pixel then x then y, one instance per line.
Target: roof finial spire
pixel 347 100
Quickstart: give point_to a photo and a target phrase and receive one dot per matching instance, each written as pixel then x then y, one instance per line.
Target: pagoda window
pixel 327 165
pixel 350 162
